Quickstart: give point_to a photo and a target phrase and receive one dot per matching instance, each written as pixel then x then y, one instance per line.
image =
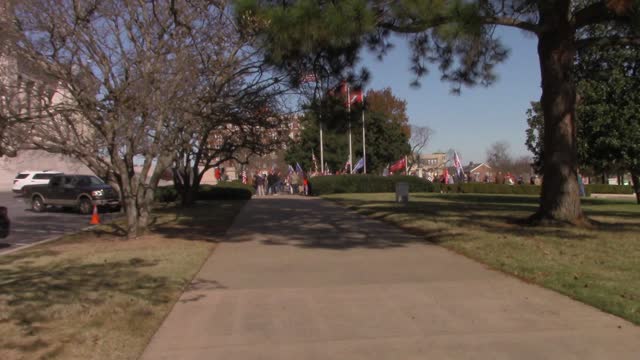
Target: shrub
pixel 484 188
pixel 237 184
pixel 608 189
pixel 166 194
pixel 224 191
pixel 371 183
pixel 322 185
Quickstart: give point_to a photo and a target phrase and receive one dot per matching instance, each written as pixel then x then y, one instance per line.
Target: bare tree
pixel 498 156
pixel 123 70
pixel 420 137
pixel 522 166
pixel 235 113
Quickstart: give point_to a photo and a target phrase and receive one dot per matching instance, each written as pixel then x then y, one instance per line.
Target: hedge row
pixel 371 183
pixel 487 188
pixel 226 191
pixel 608 189
pixel 338 184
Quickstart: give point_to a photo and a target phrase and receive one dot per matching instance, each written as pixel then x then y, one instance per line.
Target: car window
pixel 42 176
pixel 55 181
pixel 22 176
pixel 69 181
pixel 84 181
pixel 96 180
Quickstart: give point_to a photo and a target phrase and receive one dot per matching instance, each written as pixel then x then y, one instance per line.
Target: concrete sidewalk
pixel 304 279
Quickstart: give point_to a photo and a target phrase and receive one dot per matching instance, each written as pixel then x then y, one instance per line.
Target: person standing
pixel 295 182
pixel 260 183
pixel 305 183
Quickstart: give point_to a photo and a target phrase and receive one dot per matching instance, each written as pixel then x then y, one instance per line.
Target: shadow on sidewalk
pixel 314 223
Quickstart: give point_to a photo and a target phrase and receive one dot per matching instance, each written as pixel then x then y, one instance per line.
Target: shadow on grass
pixel 30 290
pixel 501 215
pixel 205 221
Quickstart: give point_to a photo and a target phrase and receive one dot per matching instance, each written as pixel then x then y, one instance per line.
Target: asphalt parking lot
pixel 28 227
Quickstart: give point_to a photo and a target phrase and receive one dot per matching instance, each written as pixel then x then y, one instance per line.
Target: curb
pixel 51 239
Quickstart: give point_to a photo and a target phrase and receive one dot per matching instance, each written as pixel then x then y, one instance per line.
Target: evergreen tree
pixel 386 139
pixel 608 112
pixel 458 36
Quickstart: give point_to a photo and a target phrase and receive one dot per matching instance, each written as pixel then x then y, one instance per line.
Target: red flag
pixel 398 165
pixel 356 96
pixel 338 90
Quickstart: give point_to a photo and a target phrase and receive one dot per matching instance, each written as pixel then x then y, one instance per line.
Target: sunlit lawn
pixel 599 266
pixel 97 296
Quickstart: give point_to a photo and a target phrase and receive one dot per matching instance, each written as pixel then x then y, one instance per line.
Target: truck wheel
pixel 37 204
pixel 85 206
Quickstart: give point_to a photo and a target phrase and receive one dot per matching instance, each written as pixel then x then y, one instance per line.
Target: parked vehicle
pixel 32 178
pixel 5 224
pixel 72 191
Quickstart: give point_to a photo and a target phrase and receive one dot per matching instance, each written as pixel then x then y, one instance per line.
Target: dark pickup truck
pixel 72 191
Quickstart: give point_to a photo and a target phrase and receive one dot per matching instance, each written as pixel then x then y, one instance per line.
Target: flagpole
pixel 349 116
pixel 406 168
pixel 321 142
pixel 321 148
pixel 364 140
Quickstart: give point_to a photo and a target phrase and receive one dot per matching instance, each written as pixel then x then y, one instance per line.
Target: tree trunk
pixel 188 194
pixel 144 210
pixel 635 178
pixel 187 182
pixel 131 210
pixel 560 198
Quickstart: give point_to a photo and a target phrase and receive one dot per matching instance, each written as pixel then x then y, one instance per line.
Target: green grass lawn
pixel 94 295
pixel 599 266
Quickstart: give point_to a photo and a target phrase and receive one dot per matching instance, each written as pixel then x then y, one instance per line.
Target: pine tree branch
pixel 602 12
pixel 486 20
pixel 605 42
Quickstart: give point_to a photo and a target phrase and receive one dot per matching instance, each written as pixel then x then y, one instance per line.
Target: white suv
pixel 32 178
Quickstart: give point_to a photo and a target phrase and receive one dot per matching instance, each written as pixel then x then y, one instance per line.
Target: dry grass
pixel 599 266
pixel 96 296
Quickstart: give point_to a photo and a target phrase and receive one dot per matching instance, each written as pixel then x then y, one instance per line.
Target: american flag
pixel 457 164
pixel 359 165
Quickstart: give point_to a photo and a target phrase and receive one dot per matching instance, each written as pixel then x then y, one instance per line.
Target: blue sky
pixel 472 121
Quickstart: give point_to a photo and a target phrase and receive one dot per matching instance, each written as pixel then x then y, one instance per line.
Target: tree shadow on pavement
pixel 316 224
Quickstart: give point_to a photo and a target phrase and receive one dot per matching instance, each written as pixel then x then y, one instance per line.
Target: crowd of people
pixel 274 183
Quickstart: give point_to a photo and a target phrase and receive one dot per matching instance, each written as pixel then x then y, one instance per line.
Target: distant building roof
pixel 472 167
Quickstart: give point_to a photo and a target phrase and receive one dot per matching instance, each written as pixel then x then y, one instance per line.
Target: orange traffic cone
pixel 95 218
